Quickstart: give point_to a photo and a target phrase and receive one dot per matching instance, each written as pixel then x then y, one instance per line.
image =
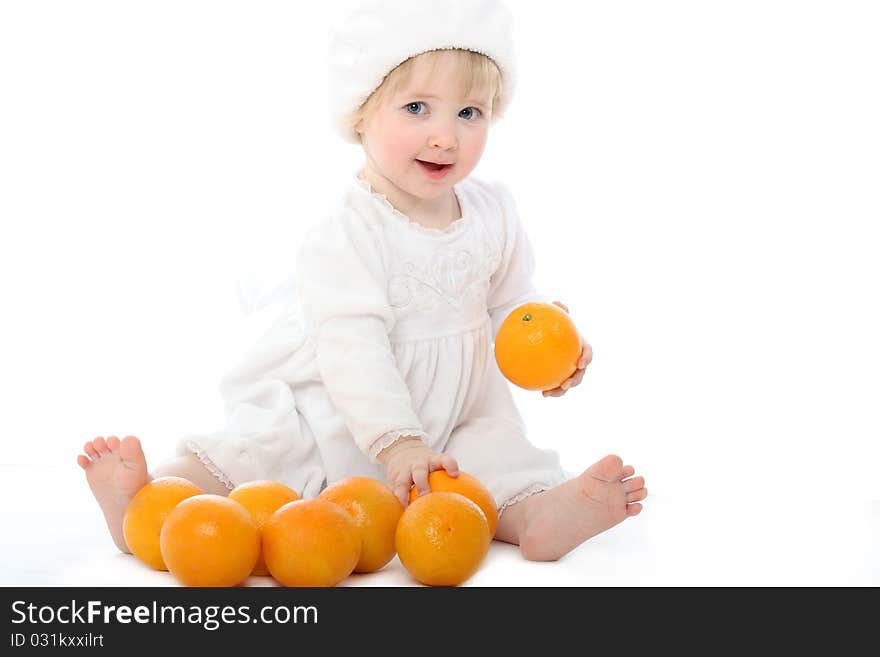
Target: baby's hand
pixel 585 359
pixel 408 462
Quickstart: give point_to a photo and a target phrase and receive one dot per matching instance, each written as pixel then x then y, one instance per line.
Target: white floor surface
pixel 54 535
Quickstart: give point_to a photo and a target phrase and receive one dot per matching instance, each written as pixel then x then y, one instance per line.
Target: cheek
pixel 396 142
pixel 401 148
pixel 472 146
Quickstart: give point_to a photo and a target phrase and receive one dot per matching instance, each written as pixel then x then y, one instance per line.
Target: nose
pixel 443 137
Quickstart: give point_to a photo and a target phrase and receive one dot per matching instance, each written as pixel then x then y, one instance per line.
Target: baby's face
pixel 428 121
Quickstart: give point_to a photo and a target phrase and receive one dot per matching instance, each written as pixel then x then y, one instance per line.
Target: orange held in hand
pixel 262 498
pixel 537 346
pixel 376 511
pixel 442 538
pixel 311 543
pixel 467 485
pixel 210 540
pixel 146 513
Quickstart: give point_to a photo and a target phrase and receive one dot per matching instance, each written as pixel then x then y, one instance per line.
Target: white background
pixel 699 181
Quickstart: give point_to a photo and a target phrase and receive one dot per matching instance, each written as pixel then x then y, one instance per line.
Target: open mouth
pixel 433 166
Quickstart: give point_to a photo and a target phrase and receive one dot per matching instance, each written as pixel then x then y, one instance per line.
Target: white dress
pixel 392 334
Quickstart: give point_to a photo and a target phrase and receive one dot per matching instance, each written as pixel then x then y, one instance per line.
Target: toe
pixel 113 444
pixel 83 461
pixel 633 484
pixel 608 469
pixel 130 450
pixel 628 471
pixel 89 449
pixel 633 509
pixel 637 495
pixel 101 445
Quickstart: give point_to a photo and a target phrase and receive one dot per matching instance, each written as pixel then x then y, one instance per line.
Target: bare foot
pixel 115 470
pixel 558 520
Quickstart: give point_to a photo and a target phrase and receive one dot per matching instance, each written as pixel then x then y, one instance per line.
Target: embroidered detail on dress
pixel 441 274
pixel 519 497
pixel 451 278
pixel 444 280
pixel 390 438
pixel 208 463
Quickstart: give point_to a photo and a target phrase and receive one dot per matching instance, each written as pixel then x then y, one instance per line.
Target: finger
pixel 401 490
pixel 420 479
pixel 450 465
pixel 573 380
pixel 586 356
pixel 444 462
pixel 561 305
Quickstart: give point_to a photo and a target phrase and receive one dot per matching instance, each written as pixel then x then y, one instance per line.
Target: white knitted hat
pixel 381 34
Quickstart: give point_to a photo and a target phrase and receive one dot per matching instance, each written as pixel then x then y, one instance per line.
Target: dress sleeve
pixel 343 295
pixel 511 285
pixel 262 425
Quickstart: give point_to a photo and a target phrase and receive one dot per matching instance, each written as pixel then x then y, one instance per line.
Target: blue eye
pixel 413 108
pixel 473 113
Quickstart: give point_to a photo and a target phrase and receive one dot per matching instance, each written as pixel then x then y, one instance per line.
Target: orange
pixel 210 540
pixel 375 510
pixel 146 512
pixel 537 346
pixel 262 498
pixel 442 538
pixel 311 543
pixel 466 485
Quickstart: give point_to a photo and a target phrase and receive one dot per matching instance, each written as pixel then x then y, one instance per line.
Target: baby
pixel 384 367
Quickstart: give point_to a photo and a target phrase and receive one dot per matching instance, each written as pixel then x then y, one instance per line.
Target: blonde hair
pixel 479 72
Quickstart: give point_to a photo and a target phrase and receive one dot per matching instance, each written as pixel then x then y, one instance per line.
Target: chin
pixel 427 191
pixel 435 191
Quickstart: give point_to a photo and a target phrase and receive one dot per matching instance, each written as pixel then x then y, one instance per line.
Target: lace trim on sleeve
pixel 208 463
pixel 390 438
pixel 519 497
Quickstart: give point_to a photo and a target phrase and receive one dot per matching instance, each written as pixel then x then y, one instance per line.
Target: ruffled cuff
pixel 388 439
pixel 212 467
pixel 519 497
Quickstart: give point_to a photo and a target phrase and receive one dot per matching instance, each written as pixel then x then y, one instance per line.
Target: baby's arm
pixel 511 283
pixel 408 461
pixel 343 290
